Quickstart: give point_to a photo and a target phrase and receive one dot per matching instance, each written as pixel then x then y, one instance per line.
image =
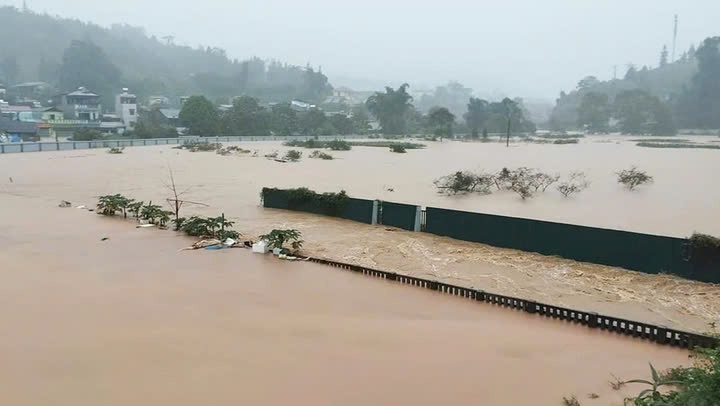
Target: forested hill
pixel 688 87
pixel 34 46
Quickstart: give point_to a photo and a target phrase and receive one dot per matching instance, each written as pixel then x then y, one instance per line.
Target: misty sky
pixel 530 48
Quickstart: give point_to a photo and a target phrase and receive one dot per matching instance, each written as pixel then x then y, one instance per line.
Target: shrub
pixel 329 203
pixel 464 182
pixel 321 155
pixel 231 149
pixel 209 227
pixel 272 155
pixel 109 205
pixel 293 155
pixel 87 134
pixel 566 141
pixel 386 144
pixel 398 148
pixel 278 238
pixel 576 183
pixel 704 241
pixel 679 145
pixel 115 150
pixel 339 145
pixel 200 146
pixel 155 214
pixel 633 177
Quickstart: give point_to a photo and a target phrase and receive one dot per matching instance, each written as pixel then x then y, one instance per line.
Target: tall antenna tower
pixel 672 59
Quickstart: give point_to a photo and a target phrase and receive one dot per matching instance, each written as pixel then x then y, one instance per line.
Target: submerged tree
pixel 441 121
pixel 391 109
pixel 200 116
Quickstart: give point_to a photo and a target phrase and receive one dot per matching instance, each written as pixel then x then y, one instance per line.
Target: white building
pixel 126 108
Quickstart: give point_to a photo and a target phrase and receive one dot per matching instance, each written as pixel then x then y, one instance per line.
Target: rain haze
pixel 521 48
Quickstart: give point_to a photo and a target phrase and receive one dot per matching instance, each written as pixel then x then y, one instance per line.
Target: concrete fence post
pixel 661 335
pixel 530 306
pixel 375 208
pixel 418 218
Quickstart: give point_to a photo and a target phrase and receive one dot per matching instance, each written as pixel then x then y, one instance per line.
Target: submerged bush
pixel 464 182
pixel 321 155
pixel 633 177
pixel 278 238
pixel 575 183
pixel 209 227
pixel 398 148
pixel 293 155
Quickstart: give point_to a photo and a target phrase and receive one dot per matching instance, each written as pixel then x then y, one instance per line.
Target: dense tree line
pixel 396 114
pixel 146 64
pixel 249 117
pixel 683 93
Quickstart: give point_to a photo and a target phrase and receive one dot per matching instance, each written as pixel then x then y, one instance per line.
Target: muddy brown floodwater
pixel 131 320
pixel 683 199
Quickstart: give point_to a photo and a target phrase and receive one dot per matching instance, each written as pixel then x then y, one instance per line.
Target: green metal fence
pixel 399 215
pixel 360 210
pixel 640 252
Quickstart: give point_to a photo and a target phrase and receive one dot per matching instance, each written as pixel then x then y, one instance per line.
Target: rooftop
pixel 17 127
pixel 170 113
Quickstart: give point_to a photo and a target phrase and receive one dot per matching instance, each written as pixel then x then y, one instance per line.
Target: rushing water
pixel 684 198
pixel 131 320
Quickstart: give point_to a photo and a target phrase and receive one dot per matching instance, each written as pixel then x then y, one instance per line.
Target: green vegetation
pixel 464 182
pixel 154 214
pixel 321 155
pixel 523 181
pixel 278 239
pixel 115 150
pixel 391 109
pixel 571 401
pixel 633 177
pixel 87 134
pixel 653 139
pixel 293 155
pixel 648 101
pixel 335 145
pixel 109 205
pixel 566 141
pixel 332 203
pixel 704 241
pixel 398 148
pixel 697 385
pixel 339 145
pixel 209 227
pixel 594 112
pixel 387 144
pixel 575 183
pixel 108 59
pixel 200 146
pixel 441 121
pixel 200 116
pixel 679 145
pixel 507 117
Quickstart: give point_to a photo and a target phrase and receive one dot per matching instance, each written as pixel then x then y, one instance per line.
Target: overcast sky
pixel 530 48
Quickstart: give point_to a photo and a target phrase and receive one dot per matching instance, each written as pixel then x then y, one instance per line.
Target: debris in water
pixel 104 238
pixel 64 203
pixel 145 225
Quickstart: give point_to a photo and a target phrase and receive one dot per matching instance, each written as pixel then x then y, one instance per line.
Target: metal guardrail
pixel 657 334
pixel 16 147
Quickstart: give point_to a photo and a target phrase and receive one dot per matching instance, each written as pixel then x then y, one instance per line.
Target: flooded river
pixel 130 320
pixel 684 198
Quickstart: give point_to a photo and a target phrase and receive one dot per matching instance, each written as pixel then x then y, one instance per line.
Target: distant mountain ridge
pixel 147 64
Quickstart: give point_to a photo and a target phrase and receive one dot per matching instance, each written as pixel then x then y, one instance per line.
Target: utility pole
pixel 614 72
pixel 672 59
